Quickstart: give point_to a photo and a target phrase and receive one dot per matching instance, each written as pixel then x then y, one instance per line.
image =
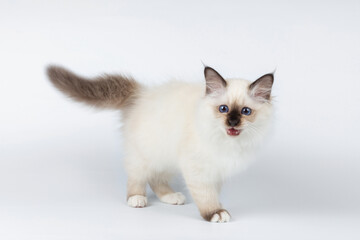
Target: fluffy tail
pixel 108 91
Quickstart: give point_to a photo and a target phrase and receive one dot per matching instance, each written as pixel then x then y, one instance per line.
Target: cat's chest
pixel 218 161
pixel 225 156
pixel 223 149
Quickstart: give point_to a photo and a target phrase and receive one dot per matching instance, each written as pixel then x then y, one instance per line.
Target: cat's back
pixel 168 100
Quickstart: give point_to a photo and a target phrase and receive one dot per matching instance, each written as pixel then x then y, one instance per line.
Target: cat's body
pixel 177 128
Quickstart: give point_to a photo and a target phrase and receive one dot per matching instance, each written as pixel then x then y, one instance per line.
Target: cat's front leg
pixel 206 197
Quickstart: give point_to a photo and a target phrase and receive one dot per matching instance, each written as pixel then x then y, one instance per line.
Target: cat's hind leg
pixel 136 192
pixel 160 185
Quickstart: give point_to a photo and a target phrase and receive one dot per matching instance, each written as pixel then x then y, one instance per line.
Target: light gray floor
pixel 62 189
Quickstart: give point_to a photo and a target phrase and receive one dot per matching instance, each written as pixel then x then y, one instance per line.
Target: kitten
pixel 203 131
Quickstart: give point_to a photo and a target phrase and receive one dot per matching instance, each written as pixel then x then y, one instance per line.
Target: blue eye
pixel 223 109
pixel 246 111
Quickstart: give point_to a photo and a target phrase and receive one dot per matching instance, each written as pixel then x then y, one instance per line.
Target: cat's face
pixel 239 106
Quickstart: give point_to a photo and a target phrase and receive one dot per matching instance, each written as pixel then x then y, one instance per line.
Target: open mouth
pixel 233 131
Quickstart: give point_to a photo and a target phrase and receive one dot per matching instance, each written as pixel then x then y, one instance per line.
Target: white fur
pixel 177 127
pixel 137 201
pixel 173 198
pixel 221 217
pixel 173 128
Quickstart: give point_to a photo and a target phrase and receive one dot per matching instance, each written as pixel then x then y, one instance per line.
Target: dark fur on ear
pixel 261 88
pixel 108 91
pixel 215 83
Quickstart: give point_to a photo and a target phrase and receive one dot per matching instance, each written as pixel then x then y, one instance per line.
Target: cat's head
pixel 239 106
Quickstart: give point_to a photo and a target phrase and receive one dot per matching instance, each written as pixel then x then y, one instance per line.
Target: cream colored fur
pixel 176 128
pixel 172 129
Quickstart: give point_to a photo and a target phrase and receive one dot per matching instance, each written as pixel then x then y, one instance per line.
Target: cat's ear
pixel 215 83
pixel 260 90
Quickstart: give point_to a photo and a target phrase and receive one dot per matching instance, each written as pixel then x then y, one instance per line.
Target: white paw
pixel 220 216
pixel 137 201
pixel 173 198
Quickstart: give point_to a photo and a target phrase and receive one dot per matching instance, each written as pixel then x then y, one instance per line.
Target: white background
pixel 61 174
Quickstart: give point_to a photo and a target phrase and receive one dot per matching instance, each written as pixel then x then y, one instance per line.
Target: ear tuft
pixel 215 83
pixel 261 88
